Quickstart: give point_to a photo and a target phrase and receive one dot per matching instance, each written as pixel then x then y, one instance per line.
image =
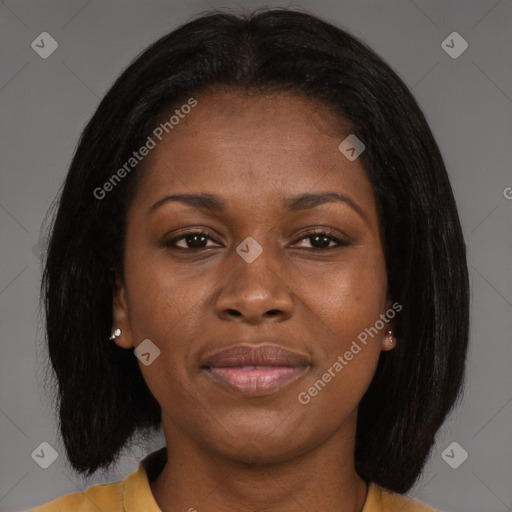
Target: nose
pixel 254 292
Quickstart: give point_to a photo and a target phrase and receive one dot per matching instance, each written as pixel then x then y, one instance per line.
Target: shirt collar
pixel 137 494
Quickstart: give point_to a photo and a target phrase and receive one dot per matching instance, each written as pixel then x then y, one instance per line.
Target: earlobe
pixel 121 332
pixel 389 341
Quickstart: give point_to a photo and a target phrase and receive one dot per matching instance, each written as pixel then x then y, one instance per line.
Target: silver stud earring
pixel 115 334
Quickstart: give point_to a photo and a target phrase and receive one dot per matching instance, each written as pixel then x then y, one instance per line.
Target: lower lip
pixel 255 380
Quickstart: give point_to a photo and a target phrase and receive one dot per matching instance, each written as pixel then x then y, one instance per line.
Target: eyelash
pixel 325 233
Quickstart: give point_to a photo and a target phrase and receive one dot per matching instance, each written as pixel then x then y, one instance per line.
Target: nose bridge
pixel 254 263
pixel 255 285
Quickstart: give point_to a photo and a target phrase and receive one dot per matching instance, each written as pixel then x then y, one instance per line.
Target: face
pixel 288 283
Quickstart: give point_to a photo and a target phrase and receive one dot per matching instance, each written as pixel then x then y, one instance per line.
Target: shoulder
pixel 132 494
pixel 383 500
pixel 98 497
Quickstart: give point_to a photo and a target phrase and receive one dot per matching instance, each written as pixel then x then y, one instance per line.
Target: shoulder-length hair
pixel 103 400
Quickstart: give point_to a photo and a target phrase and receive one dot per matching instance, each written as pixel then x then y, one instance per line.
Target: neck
pixel 324 479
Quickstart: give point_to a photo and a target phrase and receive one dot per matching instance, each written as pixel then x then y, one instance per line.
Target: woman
pixel 258 207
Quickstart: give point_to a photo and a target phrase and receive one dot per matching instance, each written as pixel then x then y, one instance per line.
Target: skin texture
pixel 228 451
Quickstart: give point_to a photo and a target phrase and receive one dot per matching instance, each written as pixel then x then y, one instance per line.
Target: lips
pixel 255 370
pixel 256 355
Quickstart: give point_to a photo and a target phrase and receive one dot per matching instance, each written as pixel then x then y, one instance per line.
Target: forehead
pixel 266 144
pixel 280 121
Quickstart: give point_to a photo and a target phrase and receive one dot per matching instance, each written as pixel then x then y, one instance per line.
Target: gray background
pixel 45 103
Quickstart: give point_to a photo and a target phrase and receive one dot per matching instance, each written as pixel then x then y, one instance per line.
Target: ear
pixel 388 341
pixel 120 313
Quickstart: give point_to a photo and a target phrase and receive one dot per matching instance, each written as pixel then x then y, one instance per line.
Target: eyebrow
pixel 214 203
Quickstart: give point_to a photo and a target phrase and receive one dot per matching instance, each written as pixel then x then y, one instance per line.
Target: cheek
pixel 163 308
pixel 165 314
pixel 351 298
pixel 347 306
pixel 160 297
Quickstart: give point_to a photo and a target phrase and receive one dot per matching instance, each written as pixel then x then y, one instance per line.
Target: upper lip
pixel 256 355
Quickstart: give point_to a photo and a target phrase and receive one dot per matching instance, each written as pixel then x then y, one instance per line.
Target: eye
pixel 322 240
pixel 191 240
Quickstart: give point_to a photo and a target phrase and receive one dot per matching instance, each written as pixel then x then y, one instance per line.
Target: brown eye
pixel 322 240
pixel 191 240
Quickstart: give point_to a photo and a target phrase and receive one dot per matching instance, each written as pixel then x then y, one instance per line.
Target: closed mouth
pixel 255 370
